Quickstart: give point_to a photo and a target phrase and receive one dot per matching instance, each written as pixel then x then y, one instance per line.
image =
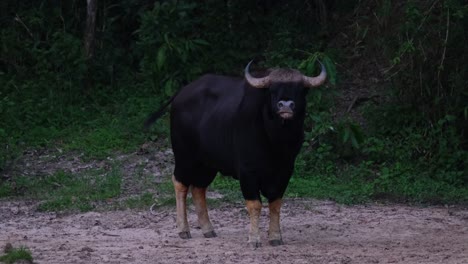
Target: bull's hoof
pixel 254 245
pixel 276 242
pixel 210 234
pixel 185 235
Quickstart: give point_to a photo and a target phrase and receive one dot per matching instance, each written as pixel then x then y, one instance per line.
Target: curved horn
pixel 255 82
pixel 317 80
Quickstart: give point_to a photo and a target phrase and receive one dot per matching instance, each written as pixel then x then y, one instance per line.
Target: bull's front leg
pixel 199 200
pixel 274 231
pixel 254 208
pixel 181 204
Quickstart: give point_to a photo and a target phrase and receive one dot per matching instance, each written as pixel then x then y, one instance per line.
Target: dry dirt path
pixel 313 232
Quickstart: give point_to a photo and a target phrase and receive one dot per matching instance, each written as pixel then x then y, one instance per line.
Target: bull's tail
pixel 156 115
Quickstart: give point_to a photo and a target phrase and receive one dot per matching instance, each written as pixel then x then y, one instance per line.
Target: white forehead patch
pixel 285 75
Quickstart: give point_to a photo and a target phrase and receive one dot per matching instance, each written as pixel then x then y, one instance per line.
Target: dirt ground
pixel 313 232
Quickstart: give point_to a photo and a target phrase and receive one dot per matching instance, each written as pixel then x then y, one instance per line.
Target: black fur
pixel 222 124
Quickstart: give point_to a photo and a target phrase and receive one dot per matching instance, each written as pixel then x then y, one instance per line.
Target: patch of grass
pixel 406 183
pixel 366 182
pixel 312 187
pixel 81 192
pixel 98 126
pixel 12 255
pixel 65 191
pixel 99 143
pixel 163 196
pixel 114 130
pixel 5 189
pixel 165 191
pixel 144 200
pixel 322 187
pixel 360 184
pixel 228 187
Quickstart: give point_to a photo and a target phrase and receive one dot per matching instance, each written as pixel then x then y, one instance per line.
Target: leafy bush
pixel 428 54
pixel 412 147
pixel 170 45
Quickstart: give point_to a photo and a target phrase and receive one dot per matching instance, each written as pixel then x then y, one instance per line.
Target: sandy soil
pixel 313 232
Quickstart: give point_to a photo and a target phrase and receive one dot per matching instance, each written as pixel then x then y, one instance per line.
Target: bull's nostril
pixel 280 104
pixel 292 105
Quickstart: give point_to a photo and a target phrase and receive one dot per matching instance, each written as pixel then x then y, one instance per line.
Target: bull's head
pixel 288 89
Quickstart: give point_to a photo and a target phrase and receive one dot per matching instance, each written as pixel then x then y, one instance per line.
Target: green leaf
pixel 161 57
pixel 310 67
pixel 450 118
pixel 346 135
pixel 168 88
pixel 354 142
pixel 201 42
pixel 331 69
pixel 357 132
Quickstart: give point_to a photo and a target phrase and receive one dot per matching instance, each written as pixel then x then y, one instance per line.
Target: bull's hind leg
pixel 274 231
pixel 254 208
pixel 181 204
pixel 199 200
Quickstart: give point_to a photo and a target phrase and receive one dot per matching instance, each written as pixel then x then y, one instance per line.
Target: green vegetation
pixel 12 255
pixel 144 200
pixel 65 191
pixel 409 144
pixel 164 196
pixel 228 187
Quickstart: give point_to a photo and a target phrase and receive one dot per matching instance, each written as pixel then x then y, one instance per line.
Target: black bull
pixel 251 129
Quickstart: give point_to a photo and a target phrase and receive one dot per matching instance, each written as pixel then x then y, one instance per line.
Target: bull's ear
pixel 255 82
pixel 317 80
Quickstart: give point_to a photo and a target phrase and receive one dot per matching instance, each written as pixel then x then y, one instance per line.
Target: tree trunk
pixel 322 14
pixel 90 30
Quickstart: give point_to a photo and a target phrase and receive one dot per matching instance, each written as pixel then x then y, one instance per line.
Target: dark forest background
pixel 390 124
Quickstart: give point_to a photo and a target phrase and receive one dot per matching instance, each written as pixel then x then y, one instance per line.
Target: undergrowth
pixel 413 147
pixel 63 191
pixel 16 255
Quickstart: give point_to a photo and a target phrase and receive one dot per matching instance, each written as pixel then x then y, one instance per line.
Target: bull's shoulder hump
pixel 211 89
pixel 214 84
pixel 219 79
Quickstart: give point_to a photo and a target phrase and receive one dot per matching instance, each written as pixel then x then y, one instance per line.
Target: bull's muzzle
pixel 285 109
